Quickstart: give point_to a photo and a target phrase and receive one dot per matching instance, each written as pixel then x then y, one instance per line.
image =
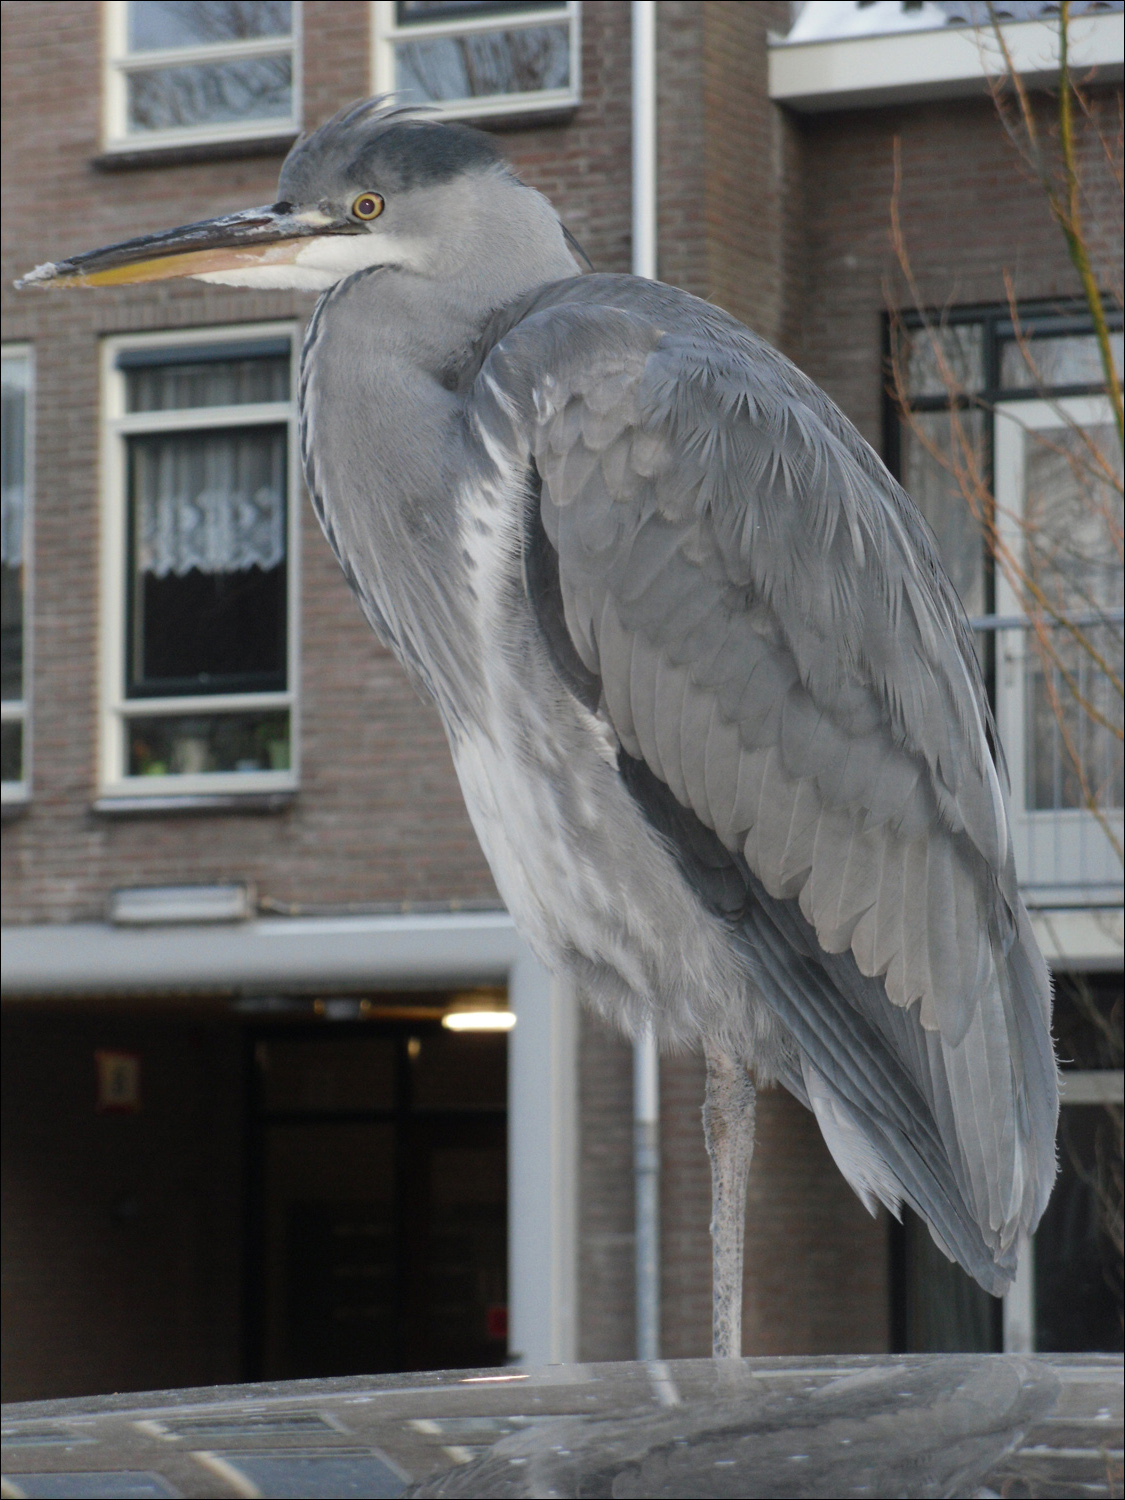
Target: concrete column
pixel 542 1166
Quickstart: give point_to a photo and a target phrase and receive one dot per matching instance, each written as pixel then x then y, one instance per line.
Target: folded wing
pixel 774 641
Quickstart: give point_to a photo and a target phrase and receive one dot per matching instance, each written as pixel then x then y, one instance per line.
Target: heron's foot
pixel 728 1128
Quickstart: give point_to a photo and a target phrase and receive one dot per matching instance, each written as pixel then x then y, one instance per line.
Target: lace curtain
pixel 213 502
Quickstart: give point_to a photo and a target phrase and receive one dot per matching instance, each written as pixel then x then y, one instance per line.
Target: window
pixel 199 569
pixel 15 462
pixel 1024 407
pixel 474 58
pixel 183 71
pixel 1018 414
pixel 396 1256
pixel 1067 1297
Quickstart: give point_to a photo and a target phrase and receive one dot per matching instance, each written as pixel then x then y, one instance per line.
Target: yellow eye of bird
pixel 367 206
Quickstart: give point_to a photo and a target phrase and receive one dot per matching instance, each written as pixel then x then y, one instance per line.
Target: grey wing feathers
pixel 776 642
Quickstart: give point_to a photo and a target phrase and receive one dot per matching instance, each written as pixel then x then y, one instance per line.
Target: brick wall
pixel 718 157
pixel 970 213
pixel 122 1233
pixel 743 135
pixel 816 1275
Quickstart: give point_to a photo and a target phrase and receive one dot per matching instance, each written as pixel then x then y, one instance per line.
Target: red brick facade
pixel 970 213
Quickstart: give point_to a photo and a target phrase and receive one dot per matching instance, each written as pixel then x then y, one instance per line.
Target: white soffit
pixel 271 954
pixel 854 72
pixel 1081 939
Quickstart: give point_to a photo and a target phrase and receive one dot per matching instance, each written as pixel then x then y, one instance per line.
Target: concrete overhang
pixel 907 67
pixel 270 954
pixel 291 955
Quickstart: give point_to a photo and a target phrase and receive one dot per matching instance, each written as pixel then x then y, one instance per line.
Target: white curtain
pixel 213 502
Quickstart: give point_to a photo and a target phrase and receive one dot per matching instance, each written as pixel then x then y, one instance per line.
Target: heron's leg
pixel 728 1128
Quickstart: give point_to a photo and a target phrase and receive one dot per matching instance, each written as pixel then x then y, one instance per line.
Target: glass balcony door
pixel 1058 702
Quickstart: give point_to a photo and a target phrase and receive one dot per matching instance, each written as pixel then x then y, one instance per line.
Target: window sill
pixel 187 152
pixel 198 804
pixel 527 118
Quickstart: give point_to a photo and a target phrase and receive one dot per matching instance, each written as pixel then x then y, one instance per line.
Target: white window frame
pixel 116 706
pixel 18 710
pixel 1063 857
pixel 119 62
pixel 385 32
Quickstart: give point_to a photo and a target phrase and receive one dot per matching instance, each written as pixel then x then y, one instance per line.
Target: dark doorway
pixel 379 1171
pixel 1078 1266
pixel 1077 1246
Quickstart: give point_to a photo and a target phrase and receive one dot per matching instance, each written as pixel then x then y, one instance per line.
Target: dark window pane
pixel 11 752
pixel 11 633
pixel 342 1277
pixel 1078 1301
pixel 156 24
pixel 235 382
pixel 209 633
pixel 1078 1245
pixel 1086 1020
pixel 332 1287
pixel 460 1070
pixel 209 585
pixel 327 1074
pixel 466 1184
pixel 450 10
pixel 946 1312
pixel 197 745
pixel 251 88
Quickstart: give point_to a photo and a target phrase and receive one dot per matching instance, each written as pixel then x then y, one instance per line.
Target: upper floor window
pixel 183 71
pixel 199 629
pixel 14 538
pixel 475 58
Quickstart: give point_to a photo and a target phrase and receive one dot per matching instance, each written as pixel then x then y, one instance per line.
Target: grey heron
pixel 712 700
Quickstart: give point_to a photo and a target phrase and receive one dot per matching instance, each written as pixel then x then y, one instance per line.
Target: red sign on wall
pixel 119 1082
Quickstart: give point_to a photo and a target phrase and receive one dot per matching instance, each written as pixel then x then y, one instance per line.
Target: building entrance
pixel 192 1197
pixel 378 1199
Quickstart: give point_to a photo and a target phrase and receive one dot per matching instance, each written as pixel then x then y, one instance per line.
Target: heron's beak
pixel 254 237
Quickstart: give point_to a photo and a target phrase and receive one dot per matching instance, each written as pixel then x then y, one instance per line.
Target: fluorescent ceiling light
pixel 479 1020
pixel 153 905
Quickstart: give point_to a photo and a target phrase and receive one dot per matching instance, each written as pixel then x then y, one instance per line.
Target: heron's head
pixel 374 186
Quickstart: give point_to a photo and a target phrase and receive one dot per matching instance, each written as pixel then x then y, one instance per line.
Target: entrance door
pixel 1058 710
pixel 381 1155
